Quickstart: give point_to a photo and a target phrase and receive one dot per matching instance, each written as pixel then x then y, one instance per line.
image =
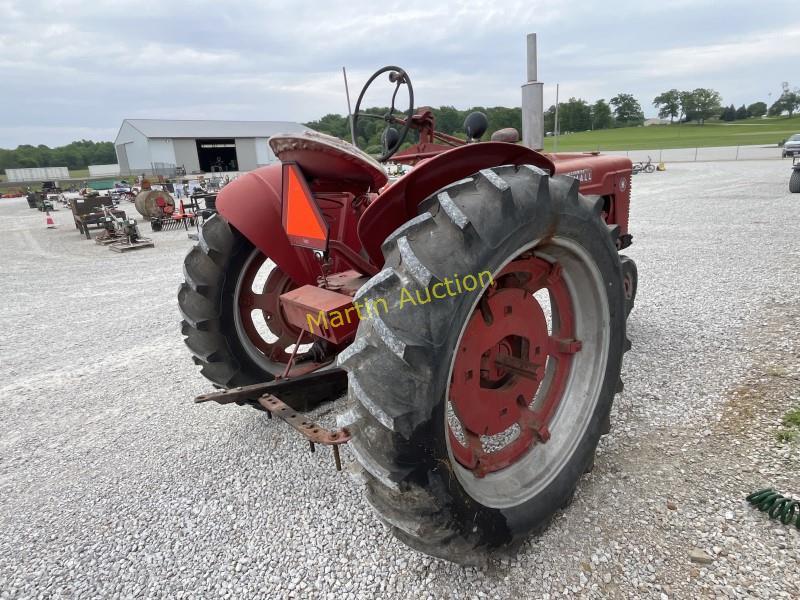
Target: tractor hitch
pixel 315 434
pixel 297 394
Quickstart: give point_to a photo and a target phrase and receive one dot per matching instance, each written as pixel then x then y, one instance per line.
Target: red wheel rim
pixel 511 370
pixel 268 302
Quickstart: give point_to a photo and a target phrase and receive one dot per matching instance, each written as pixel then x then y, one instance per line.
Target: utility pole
pixel 555 126
pixel 349 111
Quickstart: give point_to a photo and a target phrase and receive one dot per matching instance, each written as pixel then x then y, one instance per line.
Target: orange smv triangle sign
pixel 302 219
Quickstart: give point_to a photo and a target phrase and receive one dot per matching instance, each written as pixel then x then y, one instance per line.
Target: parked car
pixel 791 147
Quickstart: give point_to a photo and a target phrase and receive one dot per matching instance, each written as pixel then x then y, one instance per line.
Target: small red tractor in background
pixel 474 308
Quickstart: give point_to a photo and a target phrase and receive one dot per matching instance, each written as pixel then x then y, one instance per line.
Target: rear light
pixel 302 219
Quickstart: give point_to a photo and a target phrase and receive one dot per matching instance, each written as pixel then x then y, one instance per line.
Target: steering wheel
pixel 391 139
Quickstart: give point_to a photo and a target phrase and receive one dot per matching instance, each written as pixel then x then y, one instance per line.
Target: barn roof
pixel 176 128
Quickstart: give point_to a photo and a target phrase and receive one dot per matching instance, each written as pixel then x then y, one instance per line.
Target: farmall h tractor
pixel 474 308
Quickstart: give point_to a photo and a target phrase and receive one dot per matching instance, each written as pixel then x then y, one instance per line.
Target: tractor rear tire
pixel 794 182
pixel 208 303
pixel 402 363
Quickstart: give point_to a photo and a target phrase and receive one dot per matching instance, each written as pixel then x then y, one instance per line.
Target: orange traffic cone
pixel 49 220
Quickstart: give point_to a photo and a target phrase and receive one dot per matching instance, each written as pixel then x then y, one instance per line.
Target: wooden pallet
pixel 105 240
pixel 125 246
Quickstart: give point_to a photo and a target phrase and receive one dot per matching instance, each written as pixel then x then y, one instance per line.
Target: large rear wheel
pixel 232 321
pixel 477 406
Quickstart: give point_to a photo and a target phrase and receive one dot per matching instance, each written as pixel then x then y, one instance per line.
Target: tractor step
pixel 302 393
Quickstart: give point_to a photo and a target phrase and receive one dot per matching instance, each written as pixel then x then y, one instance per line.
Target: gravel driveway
pixel 113 484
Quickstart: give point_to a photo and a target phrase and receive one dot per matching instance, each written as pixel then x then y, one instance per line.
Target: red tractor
pixel 474 307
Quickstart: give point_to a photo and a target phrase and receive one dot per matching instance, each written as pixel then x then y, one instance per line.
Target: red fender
pixel 252 204
pixel 398 203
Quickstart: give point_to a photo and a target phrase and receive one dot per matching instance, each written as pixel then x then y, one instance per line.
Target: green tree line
pixel 574 115
pixel 701 104
pixel 77 155
pixel 449 120
pixel 788 102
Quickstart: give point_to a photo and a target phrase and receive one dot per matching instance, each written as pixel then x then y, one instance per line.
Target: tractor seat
pixel 509 135
pixel 325 157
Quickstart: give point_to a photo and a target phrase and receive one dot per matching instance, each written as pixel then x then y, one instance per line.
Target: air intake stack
pixel 533 102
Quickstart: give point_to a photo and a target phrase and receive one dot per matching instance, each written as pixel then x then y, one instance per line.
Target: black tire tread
pixel 386 387
pixel 205 270
pixel 794 182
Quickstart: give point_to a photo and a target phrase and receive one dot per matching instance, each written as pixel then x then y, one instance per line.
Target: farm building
pixel 161 145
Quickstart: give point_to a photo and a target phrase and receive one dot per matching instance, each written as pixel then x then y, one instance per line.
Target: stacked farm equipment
pixel 113 227
pixel 43 199
pixel 208 210
pixel 129 238
pixel 119 232
pixel 44 202
pixel 475 310
pixel 91 211
pixel 158 206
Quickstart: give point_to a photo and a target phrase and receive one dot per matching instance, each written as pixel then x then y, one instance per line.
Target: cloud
pixel 72 69
pixel 737 52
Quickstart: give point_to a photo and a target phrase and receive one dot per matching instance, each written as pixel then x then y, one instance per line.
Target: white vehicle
pixel 791 147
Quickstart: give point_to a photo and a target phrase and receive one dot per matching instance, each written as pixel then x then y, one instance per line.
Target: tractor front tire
pixel 630 282
pixel 794 182
pixel 208 302
pixel 458 499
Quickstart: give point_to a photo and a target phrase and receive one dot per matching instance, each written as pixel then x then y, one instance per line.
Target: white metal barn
pixel 151 145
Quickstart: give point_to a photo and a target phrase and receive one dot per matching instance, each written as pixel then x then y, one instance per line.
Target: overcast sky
pixel 74 69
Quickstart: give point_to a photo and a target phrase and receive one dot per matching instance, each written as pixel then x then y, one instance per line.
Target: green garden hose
pixel 776 506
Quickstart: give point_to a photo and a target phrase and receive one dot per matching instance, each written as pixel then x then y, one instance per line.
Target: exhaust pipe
pixel 533 102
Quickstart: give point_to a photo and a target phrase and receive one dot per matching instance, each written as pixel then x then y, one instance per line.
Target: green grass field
pixel 687 135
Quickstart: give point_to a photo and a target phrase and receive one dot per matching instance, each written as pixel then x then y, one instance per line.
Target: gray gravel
pixel 113 484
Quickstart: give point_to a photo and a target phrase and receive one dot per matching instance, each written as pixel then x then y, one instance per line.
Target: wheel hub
pixel 510 371
pixel 268 302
